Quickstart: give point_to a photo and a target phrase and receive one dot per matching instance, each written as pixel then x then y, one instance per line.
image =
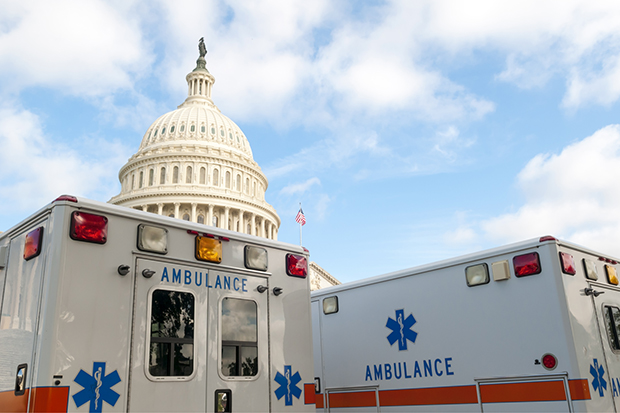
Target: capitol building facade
pixel 196 164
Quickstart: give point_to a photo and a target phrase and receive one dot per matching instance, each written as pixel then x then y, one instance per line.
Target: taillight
pixel 526 264
pixel 89 227
pixel 549 361
pixel 296 265
pixel 33 243
pixel 568 264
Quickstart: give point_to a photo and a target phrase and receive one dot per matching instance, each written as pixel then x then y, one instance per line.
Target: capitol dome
pixel 194 163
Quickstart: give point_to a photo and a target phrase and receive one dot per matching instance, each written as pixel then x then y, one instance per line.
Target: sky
pixel 410 131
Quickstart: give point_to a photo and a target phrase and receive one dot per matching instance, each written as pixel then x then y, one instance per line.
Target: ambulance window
pixel 172 334
pixel 239 338
pixel 612 322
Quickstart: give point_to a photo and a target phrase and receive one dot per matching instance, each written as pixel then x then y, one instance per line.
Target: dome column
pixel 226 213
pixel 177 205
pixel 210 215
pixel 241 226
pixel 253 229
pixel 262 228
pixel 160 209
pixel 145 208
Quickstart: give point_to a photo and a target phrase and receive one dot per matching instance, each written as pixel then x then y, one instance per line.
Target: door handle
pixel 146 273
pixel 261 289
pixel 592 291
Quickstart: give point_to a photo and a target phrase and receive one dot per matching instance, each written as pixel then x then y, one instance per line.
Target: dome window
pixel 155 133
pixel 203 175
pixel 228 179
pixel 185 217
pixel 212 130
pixel 163 131
pixel 237 138
pixel 188 175
pixel 230 135
pixel 202 129
pixel 172 129
pixel 192 128
pixel 238 185
pixel 216 177
pixel 182 128
pixel 215 220
pixel 222 132
pixel 201 219
pixel 175 175
pixel 151 177
pixel 162 176
pixel 141 182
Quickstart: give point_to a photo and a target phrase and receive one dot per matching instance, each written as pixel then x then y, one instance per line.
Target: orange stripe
pixel 542 391
pixel 319 401
pixel 353 399
pixel 426 396
pixel 579 389
pixel 9 402
pixel 309 393
pixel 49 399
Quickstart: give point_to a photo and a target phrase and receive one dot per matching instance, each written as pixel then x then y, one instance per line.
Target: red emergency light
pixel 526 264
pixel 89 227
pixel 33 243
pixel 568 264
pixel 296 265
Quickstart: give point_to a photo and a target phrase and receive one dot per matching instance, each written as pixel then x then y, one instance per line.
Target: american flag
pixel 300 218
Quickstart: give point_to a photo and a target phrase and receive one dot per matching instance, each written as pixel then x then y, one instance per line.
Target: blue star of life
pixel 598 383
pixel 288 385
pixel 97 388
pixel 401 330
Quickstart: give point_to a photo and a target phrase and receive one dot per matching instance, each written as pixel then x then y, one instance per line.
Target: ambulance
pixel 532 326
pixel 110 309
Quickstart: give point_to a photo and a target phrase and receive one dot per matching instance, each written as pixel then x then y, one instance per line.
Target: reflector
pixel 477 275
pixel 568 264
pixel 255 258
pixel 296 265
pixel 32 244
pixel 526 264
pixel 89 227
pixel 152 239
pixel 612 277
pixel 208 249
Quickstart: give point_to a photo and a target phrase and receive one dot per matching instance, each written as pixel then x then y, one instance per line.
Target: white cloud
pixel 82 48
pixel 570 195
pixel 35 171
pixel 300 188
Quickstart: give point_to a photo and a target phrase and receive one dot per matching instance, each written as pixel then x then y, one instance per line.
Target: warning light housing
pixel 89 227
pixel 527 264
pixel 296 265
pixel 33 243
pixel 568 264
pixel 612 276
pixel 208 249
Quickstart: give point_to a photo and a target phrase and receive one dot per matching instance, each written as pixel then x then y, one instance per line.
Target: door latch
pixel 592 291
pixel 261 289
pixel 146 273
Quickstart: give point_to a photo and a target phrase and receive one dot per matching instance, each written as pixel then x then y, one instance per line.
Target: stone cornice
pixel 316 267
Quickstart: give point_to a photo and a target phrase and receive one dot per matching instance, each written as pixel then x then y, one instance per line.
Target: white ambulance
pixel 109 309
pixel 533 326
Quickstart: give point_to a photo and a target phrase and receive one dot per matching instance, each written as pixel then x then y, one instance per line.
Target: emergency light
pixel 526 264
pixel 208 249
pixel 549 361
pixel 590 269
pixel 330 305
pixel 568 264
pixel 89 227
pixel 33 243
pixel 477 275
pixel 255 258
pixel 612 277
pixel 152 239
pixel 296 265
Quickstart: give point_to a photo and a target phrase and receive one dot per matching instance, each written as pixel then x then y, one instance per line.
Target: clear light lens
pixel 32 245
pixel 568 263
pixel 153 239
pixel 296 265
pixel 255 258
pixel 526 264
pixel 477 274
pixel 612 277
pixel 590 269
pixel 208 249
pixel 330 305
pixel 89 227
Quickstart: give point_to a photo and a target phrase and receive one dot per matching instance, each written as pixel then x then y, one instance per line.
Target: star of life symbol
pixel 401 330
pixel 598 383
pixel 97 388
pixel 288 385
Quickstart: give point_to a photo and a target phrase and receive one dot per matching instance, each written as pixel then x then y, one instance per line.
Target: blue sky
pixel 411 131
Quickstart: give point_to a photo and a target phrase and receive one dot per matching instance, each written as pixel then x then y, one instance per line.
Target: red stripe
pixel 309 393
pixel 42 400
pixel 353 399
pixel 320 401
pixel 541 391
pixel 429 396
pixel 579 389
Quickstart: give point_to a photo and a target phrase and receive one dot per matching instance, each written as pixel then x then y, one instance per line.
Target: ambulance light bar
pixel 152 239
pixel 208 249
pixel 477 275
pixel 204 234
pixel 89 227
pixel 69 198
pixel 526 264
pixel 255 258
pixel 568 264
pixel 296 265
pixel 33 243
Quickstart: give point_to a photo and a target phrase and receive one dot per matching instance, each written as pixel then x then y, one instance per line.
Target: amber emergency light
pixel 208 249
